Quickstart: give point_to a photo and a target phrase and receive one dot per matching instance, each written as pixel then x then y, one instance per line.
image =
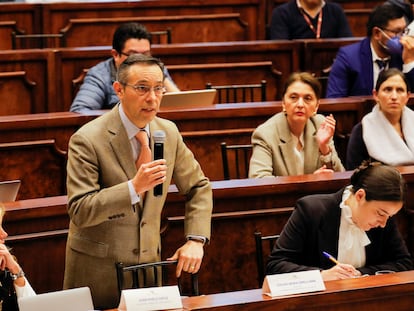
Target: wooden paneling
pixel 193 65
pixel 27 16
pixel 6 30
pixel 34 162
pixel 203 129
pixel 57 15
pixel 358 19
pixel 204 28
pixel 195 76
pixel 60 72
pixel 28 82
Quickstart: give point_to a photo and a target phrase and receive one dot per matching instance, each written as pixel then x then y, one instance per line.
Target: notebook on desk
pixel 9 190
pixel 78 299
pixel 189 99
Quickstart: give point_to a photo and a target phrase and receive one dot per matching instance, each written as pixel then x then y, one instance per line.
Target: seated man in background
pixel 308 19
pixel 356 67
pixel 97 92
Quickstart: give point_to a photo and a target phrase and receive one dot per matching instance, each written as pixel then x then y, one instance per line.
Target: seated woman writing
pixel 387 133
pixel 355 225
pixel 296 141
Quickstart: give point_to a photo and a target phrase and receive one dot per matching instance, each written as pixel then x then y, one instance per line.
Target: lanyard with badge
pixel 308 21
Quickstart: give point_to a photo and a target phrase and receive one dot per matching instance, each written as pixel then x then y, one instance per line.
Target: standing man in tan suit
pixel 114 215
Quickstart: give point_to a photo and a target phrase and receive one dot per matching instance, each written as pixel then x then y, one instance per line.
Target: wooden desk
pixel 383 292
pixel 380 293
pixel 241 207
pixel 33 146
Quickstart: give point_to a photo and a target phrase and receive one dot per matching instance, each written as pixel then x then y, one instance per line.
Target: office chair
pixel 260 263
pixel 37 41
pixel 239 93
pixel 161 36
pixel 240 157
pixel 159 271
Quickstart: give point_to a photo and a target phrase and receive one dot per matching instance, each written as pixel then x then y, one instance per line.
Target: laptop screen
pixel 9 190
pixel 78 299
pixel 189 99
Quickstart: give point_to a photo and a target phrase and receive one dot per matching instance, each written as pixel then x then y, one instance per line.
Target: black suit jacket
pixel 314 227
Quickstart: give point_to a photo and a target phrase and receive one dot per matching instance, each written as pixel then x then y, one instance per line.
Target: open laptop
pixel 9 189
pixel 189 99
pixel 78 299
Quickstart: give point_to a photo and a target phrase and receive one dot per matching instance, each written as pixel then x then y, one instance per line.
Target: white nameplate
pixel 293 283
pixel 150 299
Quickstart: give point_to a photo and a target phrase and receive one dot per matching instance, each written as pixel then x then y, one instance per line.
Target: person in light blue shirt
pixel 96 92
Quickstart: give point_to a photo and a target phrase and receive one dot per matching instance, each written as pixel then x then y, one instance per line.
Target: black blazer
pixel 7 293
pixel 314 227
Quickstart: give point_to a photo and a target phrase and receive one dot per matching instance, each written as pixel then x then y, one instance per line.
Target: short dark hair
pixel 381 182
pixel 381 15
pixel 386 74
pixel 123 70
pixel 306 78
pixel 128 31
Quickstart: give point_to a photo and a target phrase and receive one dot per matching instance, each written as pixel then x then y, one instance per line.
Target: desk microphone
pixel 159 138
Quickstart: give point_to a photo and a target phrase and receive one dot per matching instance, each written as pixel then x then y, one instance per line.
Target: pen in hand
pixel 330 257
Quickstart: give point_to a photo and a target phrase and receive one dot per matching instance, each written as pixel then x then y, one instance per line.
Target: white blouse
pixel 352 239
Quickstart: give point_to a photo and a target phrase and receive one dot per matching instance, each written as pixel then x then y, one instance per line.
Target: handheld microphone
pixel 159 138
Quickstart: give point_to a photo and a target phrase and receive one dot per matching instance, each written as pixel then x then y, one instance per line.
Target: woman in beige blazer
pixel 109 223
pixel 298 140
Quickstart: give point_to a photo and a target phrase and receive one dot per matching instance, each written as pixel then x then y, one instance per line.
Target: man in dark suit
pixel 356 67
pixel 114 214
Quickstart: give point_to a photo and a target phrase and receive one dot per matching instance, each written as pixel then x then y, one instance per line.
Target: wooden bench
pixel 26 16
pixel 50 78
pixel 28 82
pixel 57 15
pixel 192 65
pixel 241 207
pixel 6 30
pixel 37 143
pixel 204 28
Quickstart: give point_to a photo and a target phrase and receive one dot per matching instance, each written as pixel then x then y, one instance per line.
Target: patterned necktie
pixel 144 155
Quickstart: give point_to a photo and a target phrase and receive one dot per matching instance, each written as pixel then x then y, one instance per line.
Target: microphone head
pixel 159 136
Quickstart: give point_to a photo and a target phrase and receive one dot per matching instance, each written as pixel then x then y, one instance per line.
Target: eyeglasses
pixel 398 33
pixel 145 89
pixel 147 53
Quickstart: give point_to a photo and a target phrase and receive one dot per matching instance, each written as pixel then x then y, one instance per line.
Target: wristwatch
pixel 197 238
pixel 15 276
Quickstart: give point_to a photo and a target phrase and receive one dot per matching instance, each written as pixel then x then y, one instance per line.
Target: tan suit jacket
pixel 104 226
pixel 273 149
